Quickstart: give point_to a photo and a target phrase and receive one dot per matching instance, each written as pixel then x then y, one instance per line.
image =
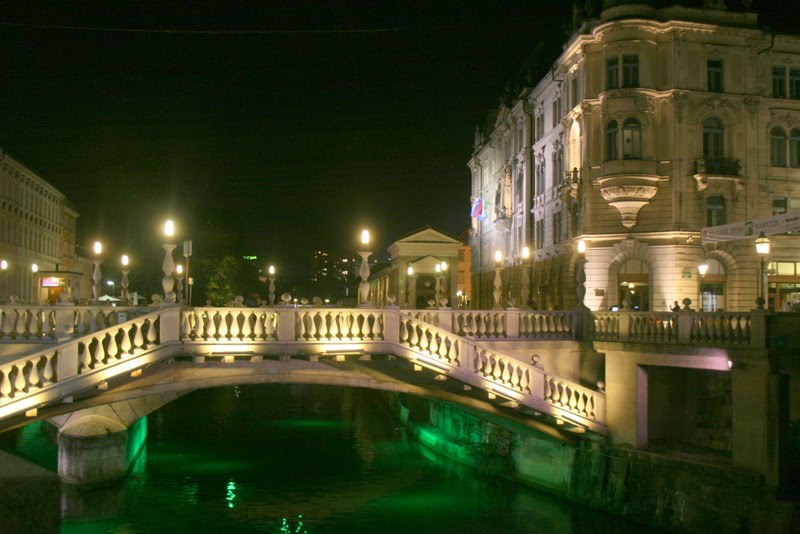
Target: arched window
pixel 712 138
pixel 612 133
pixel 777 138
pixel 794 148
pixel 632 139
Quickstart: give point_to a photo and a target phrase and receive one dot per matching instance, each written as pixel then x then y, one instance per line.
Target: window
pixel 540 233
pixel 557 228
pixel 715 211
pixel 555 113
pixel 632 139
pixel 630 71
pixel 712 138
pixel 794 148
pixel 714 75
pixel 558 167
pixel 777 137
pixel 779 82
pixel 794 83
pixel 460 277
pixel 612 73
pixel 460 255
pixel 779 205
pixel 574 92
pixel 612 150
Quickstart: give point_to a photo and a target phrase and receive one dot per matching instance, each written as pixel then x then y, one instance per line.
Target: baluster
pixel 506 375
pixel 199 324
pixel 487 366
pixel 99 355
pixel 582 404
pixel 126 345
pixel 353 331
pixel 5 383
pixel 403 331
pixel 185 328
pixel 83 356
pixel 21 319
pixel 211 325
pixel 113 349
pixel 414 337
pixel 564 394
pixel 138 338
pixel 525 382
pixel 223 329
pixel 19 380
pixel 234 330
pixel 312 326
pixel 443 350
pixel 423 338
pixel 433 347
pixel 48 372
pixel 377 327
pixel 499 367
pixel 151 332
pixel 516 377
pixel 33 375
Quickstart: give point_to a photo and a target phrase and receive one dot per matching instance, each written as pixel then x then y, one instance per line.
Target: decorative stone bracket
pixel 628 193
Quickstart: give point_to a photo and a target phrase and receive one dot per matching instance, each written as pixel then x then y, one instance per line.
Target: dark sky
pixel 270 127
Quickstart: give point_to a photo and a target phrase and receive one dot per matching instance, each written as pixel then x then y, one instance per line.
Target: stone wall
pixel 30 497
pixel 664 491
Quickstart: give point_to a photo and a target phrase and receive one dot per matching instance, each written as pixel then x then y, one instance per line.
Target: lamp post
pixel 97 275
pixel 34 296
pixel 762 249
pixel 437 290
pixel 179 276
pixel 580 275
pixel 124 284
pixel 524 291
pixel 702 269
pixel 409 286
pixel 4 288
pixel 112 285
pixel 363 286
pixel 187 253
pixel 271 271
pixel 445 288
pixel 168 282
pixel 498 281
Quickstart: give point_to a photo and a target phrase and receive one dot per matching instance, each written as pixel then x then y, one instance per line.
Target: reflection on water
pixel 286 458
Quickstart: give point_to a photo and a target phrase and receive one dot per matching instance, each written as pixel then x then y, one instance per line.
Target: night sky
pixel 265 128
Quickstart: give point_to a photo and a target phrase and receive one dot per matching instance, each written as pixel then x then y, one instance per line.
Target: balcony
pixel 629 185
pixel 721 169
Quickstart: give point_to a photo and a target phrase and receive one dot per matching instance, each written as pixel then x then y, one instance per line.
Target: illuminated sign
pixel 52 282
pixel 250 258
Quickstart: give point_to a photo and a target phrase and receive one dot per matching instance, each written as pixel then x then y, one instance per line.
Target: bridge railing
pixel 23 377
pixel 527 384
pixel 511 324
pixel 32 324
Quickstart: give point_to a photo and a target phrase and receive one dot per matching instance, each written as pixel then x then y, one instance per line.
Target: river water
pixel 304 459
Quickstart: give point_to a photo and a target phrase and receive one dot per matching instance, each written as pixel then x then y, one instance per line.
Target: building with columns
pixel 423 252
pixel 37 226
pixel 653 123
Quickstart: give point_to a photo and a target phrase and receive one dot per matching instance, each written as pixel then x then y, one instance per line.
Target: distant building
pixel 37 226
pixel 320 266
pixel 422 251
pixel 653 123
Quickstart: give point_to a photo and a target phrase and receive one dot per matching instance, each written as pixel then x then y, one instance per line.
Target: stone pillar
pixel 96 449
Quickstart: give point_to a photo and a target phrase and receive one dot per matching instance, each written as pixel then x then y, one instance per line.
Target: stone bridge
pixel 95 370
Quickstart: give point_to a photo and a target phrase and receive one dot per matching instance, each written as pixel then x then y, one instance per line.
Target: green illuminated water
pixel 299 458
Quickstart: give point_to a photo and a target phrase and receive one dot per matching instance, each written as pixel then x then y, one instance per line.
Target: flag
pixel 477 209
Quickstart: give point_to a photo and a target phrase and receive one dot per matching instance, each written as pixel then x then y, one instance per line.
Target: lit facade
pixel 652 124
pixel 37 226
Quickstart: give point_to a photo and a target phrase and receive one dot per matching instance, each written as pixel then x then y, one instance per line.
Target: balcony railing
pixel 720 166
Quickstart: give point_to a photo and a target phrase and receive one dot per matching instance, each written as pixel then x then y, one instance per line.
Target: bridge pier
pixel 99 445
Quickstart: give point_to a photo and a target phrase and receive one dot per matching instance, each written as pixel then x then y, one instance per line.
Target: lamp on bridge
pixel 409 285
pixel 168 282
pixel 4 273
pixel 34 296
pixel 445 289
pixel 498 280
pixel 702 269
pixel 179 276
pixel 271 272
pixel 580 274
pixel 97 276
pixel 524 292
pixel 187 253
pixel 124 284
pixel 363 286
pixel 762 249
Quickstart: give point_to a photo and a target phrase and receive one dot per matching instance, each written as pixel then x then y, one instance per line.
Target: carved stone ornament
pixel 628 194
pixel 751 104
pixel 679 100
pixel 586 107
pixel 716 102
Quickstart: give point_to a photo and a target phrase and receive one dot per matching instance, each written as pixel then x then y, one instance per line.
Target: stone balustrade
pixel 52 323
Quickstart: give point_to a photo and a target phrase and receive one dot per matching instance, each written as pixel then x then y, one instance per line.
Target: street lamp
pixel 524 291
pixel 4 271
pixel 124 284
pixel 445 289
pixel 187 253
pixel 409 285
pixel 113 286
pixel 179 276
pixel 363 286
pixel 762 249
pixel 498 280
pixel 168 283
pixel 580 274
pixel 34 270
pixel 97 276
pixel 702 269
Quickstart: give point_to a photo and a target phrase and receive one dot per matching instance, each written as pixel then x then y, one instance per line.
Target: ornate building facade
pixel 37 226
pixel 651 125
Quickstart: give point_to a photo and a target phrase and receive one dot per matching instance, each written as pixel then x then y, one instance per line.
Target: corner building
pixel 653 123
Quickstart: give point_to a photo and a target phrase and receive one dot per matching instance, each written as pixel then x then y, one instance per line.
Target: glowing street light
pixel 4 272
pixel 34 270
pixel 498 280
pixel 363 286
pixel 124 260
pixel 762 249
pixel 168 282
pixel 524 291
pixel 409 285
pixel 97 275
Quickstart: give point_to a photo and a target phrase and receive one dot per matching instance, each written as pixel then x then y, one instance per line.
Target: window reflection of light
pixel 231 493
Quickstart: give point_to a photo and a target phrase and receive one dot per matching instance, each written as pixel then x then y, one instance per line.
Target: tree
pixel 220 276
